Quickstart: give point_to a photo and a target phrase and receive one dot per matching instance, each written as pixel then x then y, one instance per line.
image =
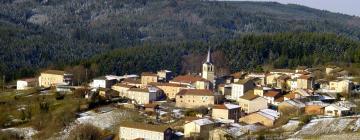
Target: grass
pixel 60 112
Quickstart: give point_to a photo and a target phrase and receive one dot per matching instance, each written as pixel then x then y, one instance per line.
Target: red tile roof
pixel 272 93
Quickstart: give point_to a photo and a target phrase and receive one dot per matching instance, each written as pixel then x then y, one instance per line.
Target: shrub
pixel 85 132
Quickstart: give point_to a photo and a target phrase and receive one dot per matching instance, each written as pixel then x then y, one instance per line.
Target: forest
pixel 130 36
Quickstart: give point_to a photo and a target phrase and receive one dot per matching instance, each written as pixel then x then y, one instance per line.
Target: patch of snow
pixel 26 132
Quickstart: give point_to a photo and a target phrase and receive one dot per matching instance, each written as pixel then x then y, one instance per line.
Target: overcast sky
pixel 350 7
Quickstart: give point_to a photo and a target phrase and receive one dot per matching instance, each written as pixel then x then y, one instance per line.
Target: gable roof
pixel 244 81
pixel 199 92
pixel 249 96
pixel 268 113
pixel 226 106
pixel 123 85
pixel 132 81
pixel 188 79
pixel 272 93
pixel 144 126
pixel 203 121
pixel 166 84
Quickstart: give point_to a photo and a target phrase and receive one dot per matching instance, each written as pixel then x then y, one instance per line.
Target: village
pixel 208 106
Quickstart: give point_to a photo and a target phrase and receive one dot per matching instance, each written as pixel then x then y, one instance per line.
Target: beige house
pixel 122 88
pixel 192 98
pixel 260 76
pixel 239 88
pixel 225 89
pixel 133 130
pixel 132 82
pixel 341 86
pixel 52 77
pixel 251 103
pixel 107 93
pixel 291 107
pixel 169 89
pixel 305 82
pixel 148 77
pixel 141 95
pixel 266 117
pixel 336 110
pixel 164 75
pixel 192 81
pixel 198 128
pixel 226 111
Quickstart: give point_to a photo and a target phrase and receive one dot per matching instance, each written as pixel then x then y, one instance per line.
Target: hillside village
pixel 244 104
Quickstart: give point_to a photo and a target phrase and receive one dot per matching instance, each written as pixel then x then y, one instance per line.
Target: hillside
pixel 42 33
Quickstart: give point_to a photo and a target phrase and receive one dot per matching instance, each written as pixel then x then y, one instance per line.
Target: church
pixel 208 69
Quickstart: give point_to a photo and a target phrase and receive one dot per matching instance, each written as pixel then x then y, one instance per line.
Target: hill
pixel 42 33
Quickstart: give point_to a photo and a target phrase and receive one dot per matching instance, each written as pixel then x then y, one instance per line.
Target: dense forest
pixel 130 36
pixel 282 50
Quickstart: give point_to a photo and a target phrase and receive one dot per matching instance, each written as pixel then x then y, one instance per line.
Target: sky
pixel 350 7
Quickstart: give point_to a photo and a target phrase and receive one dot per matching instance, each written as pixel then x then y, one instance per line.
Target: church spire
pixel 208 59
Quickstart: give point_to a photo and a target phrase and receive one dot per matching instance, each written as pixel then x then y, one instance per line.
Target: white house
pixel 239 88
pixel 24 84
pixel 336 110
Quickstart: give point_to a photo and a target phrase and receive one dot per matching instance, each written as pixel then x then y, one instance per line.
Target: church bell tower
pixel 208 69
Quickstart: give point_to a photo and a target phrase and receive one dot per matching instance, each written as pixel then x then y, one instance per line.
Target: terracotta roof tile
pixel 272 93
pixel 249 96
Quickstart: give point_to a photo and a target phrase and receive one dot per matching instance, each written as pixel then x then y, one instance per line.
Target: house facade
pixel 52 77
pixel 193 98
pixel 239 88
pixel 141 95
pixel 131 131
pixel 226 111
pixel 251 103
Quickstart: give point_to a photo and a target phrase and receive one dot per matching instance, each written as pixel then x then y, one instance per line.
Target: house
pixel 292 83
pixel 164 75
pixel 199 128
pixel 133 130
pixel 193 98
pixel 271 96
pixel 107 93
pixel 260 76
pixel 226 111
pixel 341 86
pixel 148 77
pixel 288 72
pixel 50 78
pixel 141 95
pixel 329 69
pixel 305 82
pixel 336 110
pixel 23 84
pixel 122 89
pixel 300 69
pixel 132 82
pixel 225 90
pixel 238 76
pixel 169 89
pixel 315 108
pixel 240 87
pixel 192 81
pixel 251 103
pixel 281 81
pixel 103 81
pixel 291 107
pixel 151 107
pixel 234 131
pixel 266 117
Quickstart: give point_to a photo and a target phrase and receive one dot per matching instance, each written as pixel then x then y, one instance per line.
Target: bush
pixel 85 132
pixel 305 119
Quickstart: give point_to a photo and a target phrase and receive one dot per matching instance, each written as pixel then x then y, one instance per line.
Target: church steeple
pixel 208 70
pixel 208 59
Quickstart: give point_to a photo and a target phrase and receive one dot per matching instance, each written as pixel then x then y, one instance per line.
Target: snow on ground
pixel 357 125
pixel 324 126
pixel 26 132
pixel 292 125
pixel 105 120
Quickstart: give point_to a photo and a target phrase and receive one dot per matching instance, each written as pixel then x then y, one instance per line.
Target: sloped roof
pixel 269 113
pixel 200 92
pixel 203 121
pixel 249 96
pixel 188 79
pixel 243 81
pixel 226 106
pixel 166 84
pixel 132 81
pixel 272 93
pixel 123 85
pixel 144 126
